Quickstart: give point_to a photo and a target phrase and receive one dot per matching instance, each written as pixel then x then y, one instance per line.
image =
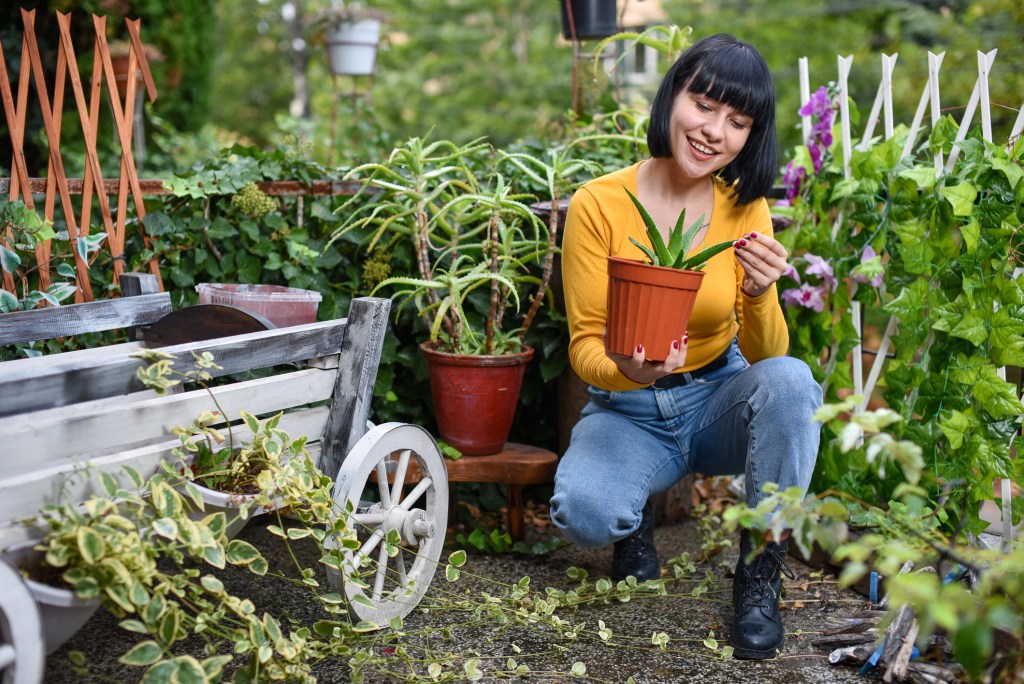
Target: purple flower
pixel 808 296
pixel 819 107
pixel 792 176
pixel 791 273
pixel 819 267
pixel 867 256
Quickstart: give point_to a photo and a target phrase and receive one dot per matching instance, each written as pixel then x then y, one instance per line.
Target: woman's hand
pixel 763 260
pixel 644 372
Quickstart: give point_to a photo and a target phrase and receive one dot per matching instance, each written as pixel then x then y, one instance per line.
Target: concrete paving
pixel 687 620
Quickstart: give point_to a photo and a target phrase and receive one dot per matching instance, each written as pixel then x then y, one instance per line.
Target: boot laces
pixel 634 545
pixel 760 576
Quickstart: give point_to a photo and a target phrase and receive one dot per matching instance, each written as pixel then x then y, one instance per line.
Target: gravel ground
pixel 688 621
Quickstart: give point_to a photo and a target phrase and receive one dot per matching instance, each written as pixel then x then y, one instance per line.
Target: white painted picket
pixel 882 106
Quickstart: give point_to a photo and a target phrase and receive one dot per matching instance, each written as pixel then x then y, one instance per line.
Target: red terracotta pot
pixel 648 305
pixel 475 397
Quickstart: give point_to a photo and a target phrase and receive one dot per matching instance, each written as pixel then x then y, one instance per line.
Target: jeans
pixel 627 446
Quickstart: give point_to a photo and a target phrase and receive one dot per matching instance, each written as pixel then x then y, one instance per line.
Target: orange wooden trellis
pixel 16 110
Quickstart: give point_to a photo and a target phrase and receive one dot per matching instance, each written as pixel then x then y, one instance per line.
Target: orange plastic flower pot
pixel 475 397
pixel 648 305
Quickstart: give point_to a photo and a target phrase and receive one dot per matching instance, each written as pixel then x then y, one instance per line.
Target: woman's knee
pixel 789 381
pixel 584 517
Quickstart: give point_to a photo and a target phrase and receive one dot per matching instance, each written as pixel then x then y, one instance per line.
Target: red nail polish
pixel 686 338
pixel 753 235
pixel 743 243
pixel 639 349
pixel 675 344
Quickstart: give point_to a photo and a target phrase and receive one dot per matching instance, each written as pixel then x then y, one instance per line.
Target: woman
pixel 726 399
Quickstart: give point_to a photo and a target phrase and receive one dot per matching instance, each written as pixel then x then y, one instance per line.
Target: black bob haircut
pixel 734 72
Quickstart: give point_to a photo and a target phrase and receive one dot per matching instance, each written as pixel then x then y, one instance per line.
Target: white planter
pixel 222 502
pixel 62 612
pixel 352 48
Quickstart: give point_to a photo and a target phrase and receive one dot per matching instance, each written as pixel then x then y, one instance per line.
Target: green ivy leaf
pixel 971 327
pixel 8 302
pixel 241 552
pixel 973 645
pixel 90 545
pixel 9 260
pixel 996 395
pixel 145 653
pixel 451 573
pixel 458 559
pixel 954 426
pixel 961 196
pixel 923 176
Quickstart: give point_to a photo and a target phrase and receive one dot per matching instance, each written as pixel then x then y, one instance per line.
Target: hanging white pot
pixel 352 47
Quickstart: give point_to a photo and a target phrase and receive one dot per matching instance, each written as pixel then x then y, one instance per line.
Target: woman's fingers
pixel 764 260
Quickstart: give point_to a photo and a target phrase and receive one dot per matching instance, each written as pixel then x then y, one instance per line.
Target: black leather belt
pixel 680 379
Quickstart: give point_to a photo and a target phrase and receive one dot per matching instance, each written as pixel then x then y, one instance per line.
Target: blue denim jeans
pixel 627 446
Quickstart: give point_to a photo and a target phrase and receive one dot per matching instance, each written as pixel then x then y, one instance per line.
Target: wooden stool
pixel 516 465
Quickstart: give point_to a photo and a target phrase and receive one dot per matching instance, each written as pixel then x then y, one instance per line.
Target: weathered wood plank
pixel 29 364
pixel 357 373
pixel 25 493
pixel 69 378
pixel 76 319
pixel 35 438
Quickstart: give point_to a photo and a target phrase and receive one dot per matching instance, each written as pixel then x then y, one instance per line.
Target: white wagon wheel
pixel 415 505
pixel 22 653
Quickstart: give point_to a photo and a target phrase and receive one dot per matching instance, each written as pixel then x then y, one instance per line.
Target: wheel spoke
pixel 367 519
pixel 382 483
pixel 403 466
pixel 416 493
pixel 382 569
pixel 368 547
pixel 403 578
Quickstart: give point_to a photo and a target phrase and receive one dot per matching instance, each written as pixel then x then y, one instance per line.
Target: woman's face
pixel 706 134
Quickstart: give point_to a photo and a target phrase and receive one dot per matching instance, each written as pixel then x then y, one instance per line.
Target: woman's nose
pixel 712 129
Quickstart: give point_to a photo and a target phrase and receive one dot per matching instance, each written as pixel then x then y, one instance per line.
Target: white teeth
pixel 700 148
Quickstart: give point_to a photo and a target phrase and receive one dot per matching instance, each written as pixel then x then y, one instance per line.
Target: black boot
pixel 635 555
pixel 757 631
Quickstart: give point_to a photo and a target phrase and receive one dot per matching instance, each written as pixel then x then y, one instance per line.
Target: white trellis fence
pixel 882 107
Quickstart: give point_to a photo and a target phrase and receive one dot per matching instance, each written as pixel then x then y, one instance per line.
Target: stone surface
pixel 687 621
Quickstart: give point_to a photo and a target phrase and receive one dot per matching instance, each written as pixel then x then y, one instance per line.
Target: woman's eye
pixel 738 125
pixel 703 107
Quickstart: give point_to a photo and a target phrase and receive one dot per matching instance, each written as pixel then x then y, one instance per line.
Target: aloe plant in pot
pixel 483 262
pixel 650 303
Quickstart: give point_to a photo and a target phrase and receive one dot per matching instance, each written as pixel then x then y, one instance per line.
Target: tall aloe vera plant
pixel 469 229
pixel 673 254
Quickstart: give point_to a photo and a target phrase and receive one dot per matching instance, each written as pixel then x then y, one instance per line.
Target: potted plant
pixel 650 303
pixel 215 472
pixel 351 33
pixel 477 249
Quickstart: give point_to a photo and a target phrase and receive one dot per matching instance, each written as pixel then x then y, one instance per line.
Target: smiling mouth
pixel 701 148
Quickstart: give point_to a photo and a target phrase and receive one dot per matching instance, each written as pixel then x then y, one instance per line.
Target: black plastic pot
pixel 593 19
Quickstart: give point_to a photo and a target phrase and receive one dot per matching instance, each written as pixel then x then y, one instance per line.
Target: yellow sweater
pixel 600 222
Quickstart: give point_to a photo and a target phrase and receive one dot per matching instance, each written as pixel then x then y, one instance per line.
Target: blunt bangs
pixel 734 76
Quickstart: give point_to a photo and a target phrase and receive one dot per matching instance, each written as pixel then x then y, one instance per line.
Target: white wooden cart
pixel 62 410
